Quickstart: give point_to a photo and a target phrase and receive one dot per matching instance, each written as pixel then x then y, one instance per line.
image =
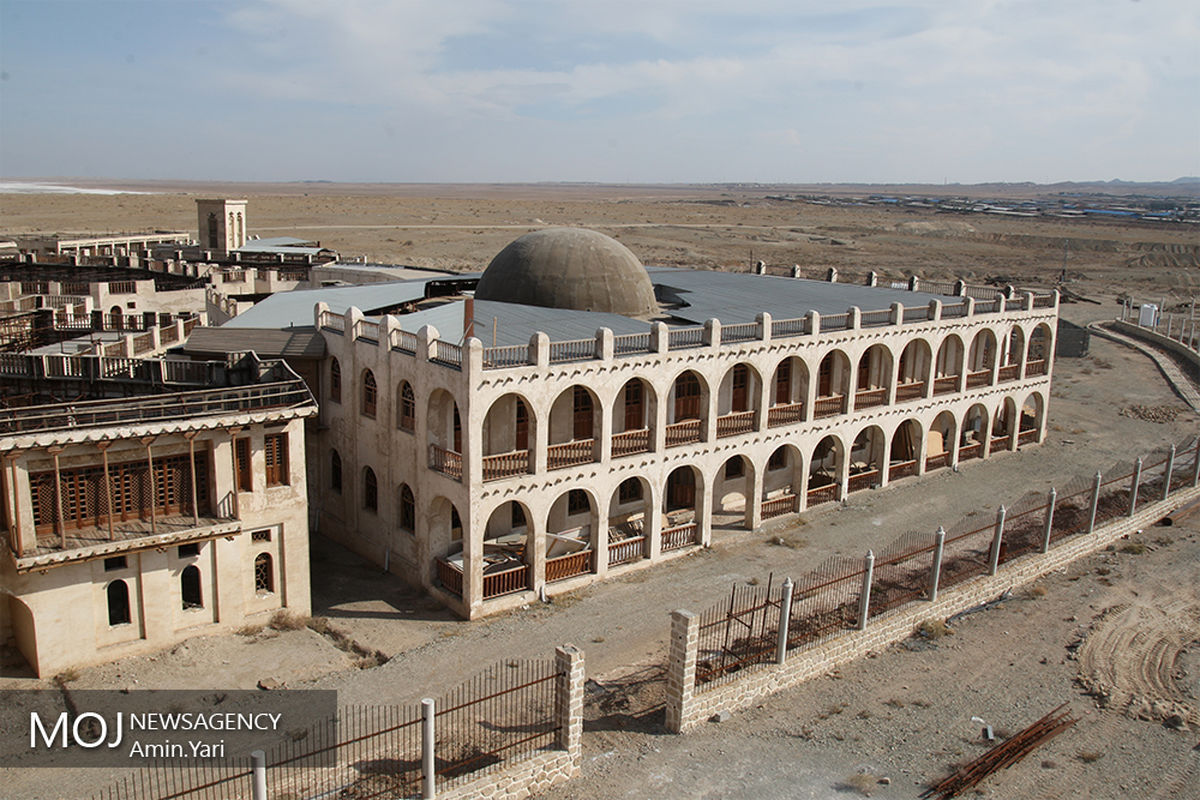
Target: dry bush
pixel 1133 548
pixel 934 629
pixel 249 630
pixel 1089 756
pixel 284 620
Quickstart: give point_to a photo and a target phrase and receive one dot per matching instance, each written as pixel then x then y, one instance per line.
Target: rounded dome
pixel 571 268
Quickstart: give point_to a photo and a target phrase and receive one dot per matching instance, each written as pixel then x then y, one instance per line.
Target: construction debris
pixel 1152 413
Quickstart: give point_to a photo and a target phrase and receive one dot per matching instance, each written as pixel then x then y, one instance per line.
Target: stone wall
pixel 686 706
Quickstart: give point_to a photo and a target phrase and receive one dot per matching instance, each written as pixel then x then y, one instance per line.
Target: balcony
pixel 902 469
pixel 679 536
pixel 778 506
pixel 506 581
pixel 734 424
pixel 685 432
pixel 631 443
pixel 825 493
pixel 506 465
pixel 910 391
pixel 570 454
pixel 568 566
pixel 829 406
pixel 788 414
pixel 945 384
pixel 626 551
pixel 870 398
pixel 1035 368
pixel 446 462
pixel 1009 373
pixel 981 378
pixel 866 479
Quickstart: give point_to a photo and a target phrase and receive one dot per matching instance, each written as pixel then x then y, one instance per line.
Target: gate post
pixel 1095 502
pixel 997 541
pixel 785 620
pixel 681 668
pixel 1133 486
pixel 864 599
pixel 258 765
pixel 428 742
pixel 1051 498
pixel 935 572
pixel 1167 473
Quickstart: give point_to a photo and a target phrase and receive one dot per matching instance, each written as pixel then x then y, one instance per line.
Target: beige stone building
pixel 172 504
pixel 580 416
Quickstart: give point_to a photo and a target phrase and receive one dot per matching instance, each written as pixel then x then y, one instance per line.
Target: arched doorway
pixel 628 521
pixel 867 460
pixel 939 448
pixel 570 535
pixel 683 505
pixel 905 452
pixel 825 471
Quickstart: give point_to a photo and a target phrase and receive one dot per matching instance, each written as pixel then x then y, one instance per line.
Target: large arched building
pixel 581 415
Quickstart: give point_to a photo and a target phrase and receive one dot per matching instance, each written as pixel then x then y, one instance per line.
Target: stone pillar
pixel 753 497
pixel 997 542
pixel 568 705
pixel 935 570
pixel 1048 528
pixel 712 333
pixel 1167 473
pixel 763 321
pixel 681 668
pixel 659 337
pixel 864 596
pixel 539 350
pixel 1133 486
pixel 600 534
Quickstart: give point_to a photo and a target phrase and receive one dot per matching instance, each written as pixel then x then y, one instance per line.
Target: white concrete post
pixel 1133 486
pixel 872 278
pixel 814 323
pixel 935 313
pixel 258 765
pixel 997 541
pixel 935 572
pixel 864 597
pixel 1196 464
pixel 1051 499
pixel 1095 502
pixel 764 326
pixel 428 743
pixel 831 275
pixel 785 621
pixel 1167 473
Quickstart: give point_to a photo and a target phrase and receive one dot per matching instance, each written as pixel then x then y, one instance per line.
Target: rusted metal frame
pixel 346 743
pixel 501 693
pixel 498 750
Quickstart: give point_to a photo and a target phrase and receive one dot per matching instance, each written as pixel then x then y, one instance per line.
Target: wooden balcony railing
pixel 1036 367
pixel 910 391
pixel 863 480
pixel 945 384
pixel 626 550
pixel 450 576
pixel 937 461
pixel 568 566
pixel 1000 442
pixel 514 579
pixel 784 504
pixel 870 398
pixel 736 423
pixel 685 432
pixel 788 414
pixel 679 536
pixel 902 469
pixel 977 379
pixel 829 406
pixel 505 465
pixel 969 451
pixel 1027 436
pixel 1009 373
pixel 822 494
pixel 446 462
pixel 629 443
pixel 568 454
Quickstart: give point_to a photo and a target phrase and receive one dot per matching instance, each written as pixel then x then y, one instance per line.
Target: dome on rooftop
pixel 571 268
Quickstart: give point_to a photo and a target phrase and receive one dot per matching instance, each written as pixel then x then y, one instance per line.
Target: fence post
pixel 1051 499
pixel 258 765
pixel 1167 473
pixel 568 663
pixel 681 667
pixel 1196 464
pixel 864 599
pixel 1133 487
pixel 785 621
pixel 1095 501
pixel 428 742
pixel 997 541
pixel 935 573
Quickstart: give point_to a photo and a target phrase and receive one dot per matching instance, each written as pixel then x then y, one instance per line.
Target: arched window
pixel 408 407
pixel 577 502
pixel 408 509
pixel 335 471
pixel 368 394
pixel 264 574
pixel 118 603
pixel 189 588
pixel 370 490
pixel 335 380
pixel 687 397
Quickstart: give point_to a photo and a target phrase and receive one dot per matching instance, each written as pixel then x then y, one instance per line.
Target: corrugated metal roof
pixel 297 343
pixel 739 297
pixel 514 324
pixel 295 308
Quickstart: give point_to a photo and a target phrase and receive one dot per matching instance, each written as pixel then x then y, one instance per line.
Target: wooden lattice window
pixel 408 407
pixel 245 478
pixel 783 384
pixel 370 490
pixel 335 381
pixel 740 400
pixel 264 574
pixel 275 450
pixel 370 395
pixel 630 491
pixel 778 459
pixel 408 509
pixel 687 397
pixel 521 439
pixel 581 403
pixel 577 502
pixel 633 406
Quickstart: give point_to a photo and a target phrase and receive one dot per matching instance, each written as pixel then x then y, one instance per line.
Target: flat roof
pixel 295 308
pixel 513 323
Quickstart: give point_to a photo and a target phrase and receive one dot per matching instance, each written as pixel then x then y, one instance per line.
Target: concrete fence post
pixel 1167 473
pixel 997 542
pixel 258 765
pixel 681 667
pixel 935 571
pixel 1133 486
pixel 785 621
pixel 428 743
pixel 864 598
pixel 568 663
pixel 1051 499
pixel 1095 501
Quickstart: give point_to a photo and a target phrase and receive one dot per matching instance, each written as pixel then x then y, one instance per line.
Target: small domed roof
pixel 571 268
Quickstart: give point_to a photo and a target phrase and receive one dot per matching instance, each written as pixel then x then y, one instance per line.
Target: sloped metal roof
pixel 293 343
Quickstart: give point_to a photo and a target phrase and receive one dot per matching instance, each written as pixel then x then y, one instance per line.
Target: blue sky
pixel 619 90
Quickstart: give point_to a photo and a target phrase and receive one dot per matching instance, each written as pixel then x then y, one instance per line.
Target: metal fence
pixel 738 635
pixel 505 714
